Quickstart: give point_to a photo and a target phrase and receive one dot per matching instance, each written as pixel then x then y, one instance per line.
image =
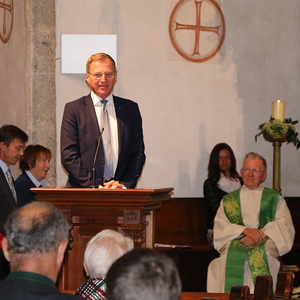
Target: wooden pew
pixel 284 286
pixel 236 293
pixel 262 291
pixel 68 291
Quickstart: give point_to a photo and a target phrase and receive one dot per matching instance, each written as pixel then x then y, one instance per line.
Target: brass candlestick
pixel 277 140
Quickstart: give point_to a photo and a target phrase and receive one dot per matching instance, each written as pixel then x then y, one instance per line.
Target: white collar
pixel 34 180
pixel 96 99
pixel 3 166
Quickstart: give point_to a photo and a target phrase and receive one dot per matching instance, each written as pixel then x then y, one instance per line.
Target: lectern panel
pixel 92 210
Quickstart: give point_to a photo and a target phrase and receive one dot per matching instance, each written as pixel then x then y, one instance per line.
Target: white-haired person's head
pixel 103 250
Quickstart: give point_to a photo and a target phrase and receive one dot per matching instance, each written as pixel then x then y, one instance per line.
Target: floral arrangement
pixel 285 129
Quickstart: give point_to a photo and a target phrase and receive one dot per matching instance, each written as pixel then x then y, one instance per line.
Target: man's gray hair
pixel 36 228
pixel 254 155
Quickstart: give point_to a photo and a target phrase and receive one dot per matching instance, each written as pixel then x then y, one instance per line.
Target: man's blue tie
pixel 108 166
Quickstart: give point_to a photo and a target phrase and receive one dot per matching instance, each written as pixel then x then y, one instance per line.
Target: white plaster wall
pixel 189 107
pixel 13 107
pixel 12 84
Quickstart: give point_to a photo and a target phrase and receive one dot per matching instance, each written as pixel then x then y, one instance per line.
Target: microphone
pixel 93 185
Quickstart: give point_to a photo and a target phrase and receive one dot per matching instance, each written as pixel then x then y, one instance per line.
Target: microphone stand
pixel 93 185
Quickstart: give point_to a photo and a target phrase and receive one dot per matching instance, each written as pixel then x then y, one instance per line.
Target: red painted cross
pixel 197 28
pixel 7 7
pixel 198 54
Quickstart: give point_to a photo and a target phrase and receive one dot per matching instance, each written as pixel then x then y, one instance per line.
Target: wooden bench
pixel 262 291
pixel 237 293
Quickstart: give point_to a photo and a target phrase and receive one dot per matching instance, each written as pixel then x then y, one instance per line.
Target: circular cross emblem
pixel 197 29
pixel 6 19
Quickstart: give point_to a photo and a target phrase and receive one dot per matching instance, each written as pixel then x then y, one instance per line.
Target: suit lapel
pixel 120 116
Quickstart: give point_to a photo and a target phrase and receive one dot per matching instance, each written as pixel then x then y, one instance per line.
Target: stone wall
pixel 28 96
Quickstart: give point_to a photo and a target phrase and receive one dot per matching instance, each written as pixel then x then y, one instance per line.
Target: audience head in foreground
pixel 101 251
pixel 36 236
pixel 143 274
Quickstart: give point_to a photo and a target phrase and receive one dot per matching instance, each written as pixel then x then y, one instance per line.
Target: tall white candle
pixel 278 108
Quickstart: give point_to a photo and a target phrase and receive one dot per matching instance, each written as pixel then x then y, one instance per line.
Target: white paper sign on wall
pixel 77 48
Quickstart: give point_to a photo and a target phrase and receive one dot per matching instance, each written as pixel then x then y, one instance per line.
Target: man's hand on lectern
pixel 113 185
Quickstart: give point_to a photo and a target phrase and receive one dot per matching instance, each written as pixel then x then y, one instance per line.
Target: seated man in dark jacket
pixel 36 237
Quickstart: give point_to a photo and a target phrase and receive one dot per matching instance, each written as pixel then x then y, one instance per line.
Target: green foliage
pixel 284 129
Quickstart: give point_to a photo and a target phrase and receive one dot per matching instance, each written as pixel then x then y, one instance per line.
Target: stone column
pixel 40 77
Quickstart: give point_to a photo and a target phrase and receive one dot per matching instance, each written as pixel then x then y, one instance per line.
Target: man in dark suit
pixel 81 133
pixel 12 144
pixel 36 237
pixel 34 164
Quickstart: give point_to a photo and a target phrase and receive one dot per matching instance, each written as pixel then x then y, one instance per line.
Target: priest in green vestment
pixel 252 228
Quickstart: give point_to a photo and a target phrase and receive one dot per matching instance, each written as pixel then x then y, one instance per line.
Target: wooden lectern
pixel 89 211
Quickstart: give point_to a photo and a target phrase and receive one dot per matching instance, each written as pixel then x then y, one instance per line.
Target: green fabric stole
pixel 237 252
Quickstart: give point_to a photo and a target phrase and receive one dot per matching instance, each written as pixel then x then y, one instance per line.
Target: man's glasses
pixel 254 171
pixel 97 76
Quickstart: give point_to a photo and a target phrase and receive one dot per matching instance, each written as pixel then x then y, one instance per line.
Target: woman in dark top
pixel 222 179
pixel 34 164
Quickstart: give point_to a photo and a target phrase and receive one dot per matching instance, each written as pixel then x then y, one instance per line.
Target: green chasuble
pixel 237 252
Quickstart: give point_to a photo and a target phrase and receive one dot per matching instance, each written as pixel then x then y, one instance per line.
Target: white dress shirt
pixel 113 124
